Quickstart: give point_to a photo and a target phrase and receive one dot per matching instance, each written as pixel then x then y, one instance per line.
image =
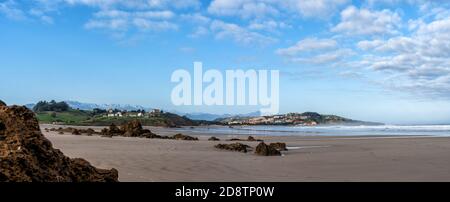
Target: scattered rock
pixel 76 132
pixel 279 146
pixel 27 156
pixel 180 136
pixel 250 139
pixel 90 131
pixel 132 129
pixel 151 136
pixel 114 130
pixel 233 147
pixel 266 150
pixel 214 139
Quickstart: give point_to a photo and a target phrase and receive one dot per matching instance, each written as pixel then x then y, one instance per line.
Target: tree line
pixel 44 106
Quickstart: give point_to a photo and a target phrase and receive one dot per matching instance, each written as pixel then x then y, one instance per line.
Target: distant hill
pixel 89 118
pixel 91 106
pixel 306 118
pixel 212 117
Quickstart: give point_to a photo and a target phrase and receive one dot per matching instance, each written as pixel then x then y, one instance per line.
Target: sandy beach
pixel 309 158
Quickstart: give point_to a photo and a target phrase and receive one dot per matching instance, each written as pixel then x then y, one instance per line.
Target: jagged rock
pixel 132 128
pixel 2 131
pixel 2 103
pixel 90 131
pixel 266 150
pixel 252 139
pixel 113 129
pixel 233 147
pixel 214 139
pixel 27 156
pixel 279 146
pixel 180 136
pixel 151 136
pixel 76 132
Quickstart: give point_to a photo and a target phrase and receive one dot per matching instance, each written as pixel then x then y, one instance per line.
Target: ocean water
pixel 329 130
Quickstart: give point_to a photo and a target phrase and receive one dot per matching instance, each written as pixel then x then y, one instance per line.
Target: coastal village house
pixel 117 113
pixel 112 113
pixel 155 112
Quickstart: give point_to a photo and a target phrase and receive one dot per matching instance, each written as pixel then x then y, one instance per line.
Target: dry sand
pixel 314 159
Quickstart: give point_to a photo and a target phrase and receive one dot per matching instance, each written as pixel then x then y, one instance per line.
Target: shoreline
pixel 315 159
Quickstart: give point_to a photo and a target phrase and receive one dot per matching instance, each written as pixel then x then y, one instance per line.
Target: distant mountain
pixel 91 106
pixel 212 117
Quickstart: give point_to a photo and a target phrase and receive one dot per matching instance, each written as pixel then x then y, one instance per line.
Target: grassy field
pixel 69 117
pixel 86 118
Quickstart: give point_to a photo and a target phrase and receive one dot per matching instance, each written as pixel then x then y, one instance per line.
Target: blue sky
pixel 382 60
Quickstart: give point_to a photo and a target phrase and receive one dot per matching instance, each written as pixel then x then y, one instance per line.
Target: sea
pixel 325 130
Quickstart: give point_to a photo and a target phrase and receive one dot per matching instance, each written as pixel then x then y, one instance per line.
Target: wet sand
pixel 309 159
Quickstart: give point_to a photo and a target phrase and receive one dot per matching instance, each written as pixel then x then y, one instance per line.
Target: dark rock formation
pixel 279 146
pixel 250 139
pixel 233 147
pixel 76 132
pixel 2 103
pixel 266 150
pixel 151 136
pixel 180 136
pixel 27 156
pixel 214 139
pixel 90 131
pixel 132 129
pixel 114 130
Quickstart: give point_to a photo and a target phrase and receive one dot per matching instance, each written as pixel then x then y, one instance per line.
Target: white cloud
pixel 328 57
pixel 315 51
pixel 145 24
pixel 243 8
pixel 419 62
pixel 356 21
pixel 10 10
pixel 111 24
pixel 134 4
pixel 199 32
pixel 268 25
pixel 118 20
pixel 196 18
pixel 314 8
pixel 308 45
pixel 270 8
pixel 239 34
